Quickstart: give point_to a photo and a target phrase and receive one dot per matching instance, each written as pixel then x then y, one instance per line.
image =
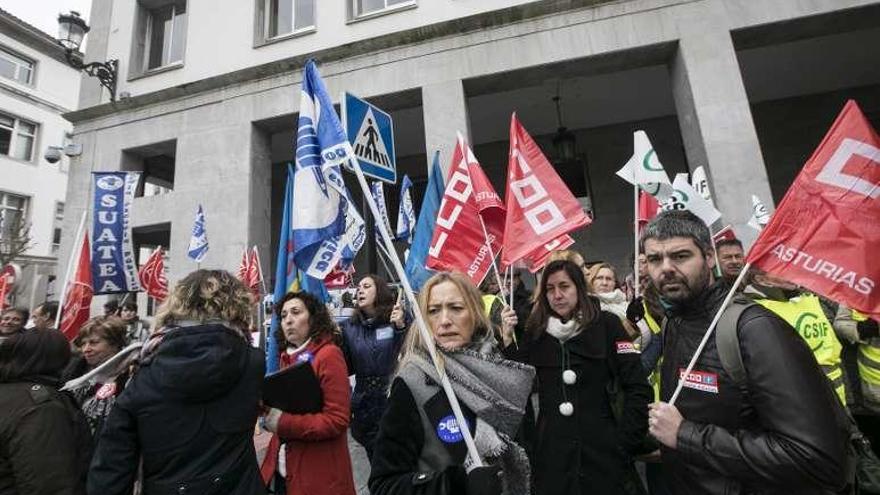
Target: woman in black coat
pixel 189 411
pixel 593 392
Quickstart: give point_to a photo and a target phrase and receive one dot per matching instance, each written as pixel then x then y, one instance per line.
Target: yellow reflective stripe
pixel 869 364
pixel 858 316
pixel 652 323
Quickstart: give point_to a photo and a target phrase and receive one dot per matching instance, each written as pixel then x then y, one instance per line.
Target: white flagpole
pixel 488 245
pixel 74 252
pixel 636 238
pixel 426 335
pixel 712 326
pixel 383 254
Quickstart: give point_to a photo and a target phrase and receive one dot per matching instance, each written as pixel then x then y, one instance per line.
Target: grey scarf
pixel 496 390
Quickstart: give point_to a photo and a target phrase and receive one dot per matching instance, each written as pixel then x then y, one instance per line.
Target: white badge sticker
pixel 384 333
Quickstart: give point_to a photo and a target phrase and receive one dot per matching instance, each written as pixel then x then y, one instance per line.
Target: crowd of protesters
pixel 555 390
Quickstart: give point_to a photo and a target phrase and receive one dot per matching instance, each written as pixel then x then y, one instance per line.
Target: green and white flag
pixel 701 183
pixel 645 170
pixel 760 215
pixel 685 197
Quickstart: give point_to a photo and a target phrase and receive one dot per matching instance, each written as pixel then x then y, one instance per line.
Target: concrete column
pixel 444 108
pixel 714 114
pixel 260 216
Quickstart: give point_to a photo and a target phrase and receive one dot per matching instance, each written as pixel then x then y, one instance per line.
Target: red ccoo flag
pixel 825 231
pixel 540 208
pixel 152 276
pixel 254 279
pixel 78 298
pixel 458 242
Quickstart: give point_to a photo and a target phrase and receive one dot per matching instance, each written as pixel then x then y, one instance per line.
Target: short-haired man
pixel 12 321
pixel 44 315
pixel 731 258
pixel 781 430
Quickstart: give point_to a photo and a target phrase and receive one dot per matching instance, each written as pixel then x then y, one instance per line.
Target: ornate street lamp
pixel 71 31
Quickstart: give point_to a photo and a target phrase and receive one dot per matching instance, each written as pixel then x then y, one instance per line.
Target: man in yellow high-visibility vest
pixel 861 361
pixel 807 315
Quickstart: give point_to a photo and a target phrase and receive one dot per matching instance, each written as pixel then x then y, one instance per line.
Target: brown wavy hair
pixel 587 308
pixel 321 324
pixel 110 328
pixel 208 295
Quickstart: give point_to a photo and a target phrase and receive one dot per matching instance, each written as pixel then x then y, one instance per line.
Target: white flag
pixel 760 215
pixel 645 170
pixel 701 184
pixel 685 197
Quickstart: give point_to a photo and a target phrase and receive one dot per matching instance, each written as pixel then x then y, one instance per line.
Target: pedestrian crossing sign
pixel 371 134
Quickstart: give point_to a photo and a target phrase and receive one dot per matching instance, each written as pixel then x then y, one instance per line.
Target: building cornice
pixel 421 34
pixel 30 98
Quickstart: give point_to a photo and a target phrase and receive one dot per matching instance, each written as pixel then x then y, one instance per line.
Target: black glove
pixel 635 312
pixel 867 329
pixel 485 480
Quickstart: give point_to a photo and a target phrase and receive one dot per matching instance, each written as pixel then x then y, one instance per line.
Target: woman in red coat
pixel 316 445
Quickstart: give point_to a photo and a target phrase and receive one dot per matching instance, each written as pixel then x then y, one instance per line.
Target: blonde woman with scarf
pixel 420 448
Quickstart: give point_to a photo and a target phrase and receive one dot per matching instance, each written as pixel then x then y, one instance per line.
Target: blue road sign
pixel 371 134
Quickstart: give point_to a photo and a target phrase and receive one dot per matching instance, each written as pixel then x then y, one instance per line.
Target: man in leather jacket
pixel 782 432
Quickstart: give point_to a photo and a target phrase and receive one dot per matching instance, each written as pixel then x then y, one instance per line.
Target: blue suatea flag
pixel 113 266
pixel 198 242
pixel 418 253
pixel 287 277
pixel 377 189
pixel 406 215
pixel 326 227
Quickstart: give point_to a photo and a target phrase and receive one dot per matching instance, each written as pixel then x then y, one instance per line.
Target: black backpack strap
pixel 727 340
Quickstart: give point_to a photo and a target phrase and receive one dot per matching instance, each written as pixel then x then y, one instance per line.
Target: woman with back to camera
pixel 592 391
pixel 371 341
pixel 420 448
pixel 316 444
pixel 187 415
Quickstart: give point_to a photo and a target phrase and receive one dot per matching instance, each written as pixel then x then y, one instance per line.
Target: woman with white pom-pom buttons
pixel 592 390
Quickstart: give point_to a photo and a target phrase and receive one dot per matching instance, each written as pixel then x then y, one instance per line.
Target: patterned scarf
pixel 496 390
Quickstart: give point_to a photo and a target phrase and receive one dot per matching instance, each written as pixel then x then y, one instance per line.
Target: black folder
pixel 294 389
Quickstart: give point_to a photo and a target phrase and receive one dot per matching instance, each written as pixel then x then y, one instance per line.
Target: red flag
pixel 540 208
pixel 825 232
pixel 726 233
pixel 4 289
pixel 152 276
pixel 538 258
pixel 78 295
pixel 242 272
pixel 458 243
pixel 254 280
pixel 648 209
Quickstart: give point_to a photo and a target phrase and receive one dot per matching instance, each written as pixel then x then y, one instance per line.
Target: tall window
pixel 288 16
pixel 17 137
pixel 365 7
pixel 13 211
pixel 57 221
pixel 15 67
pixel 166 35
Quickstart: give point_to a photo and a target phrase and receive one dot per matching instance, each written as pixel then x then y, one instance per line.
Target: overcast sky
pixel 44 13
